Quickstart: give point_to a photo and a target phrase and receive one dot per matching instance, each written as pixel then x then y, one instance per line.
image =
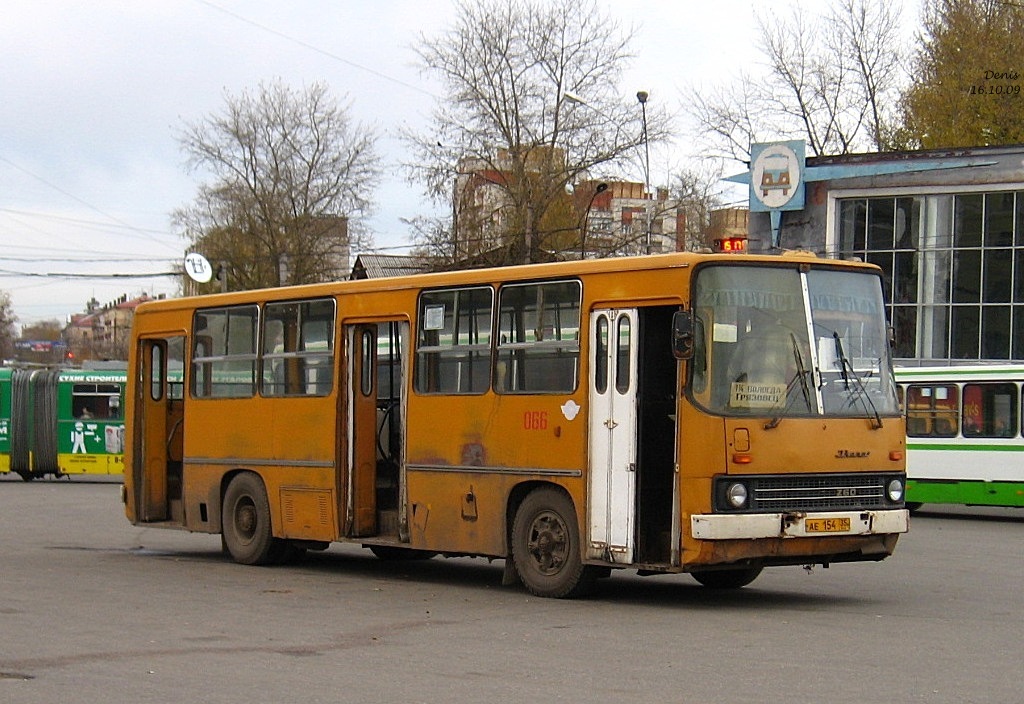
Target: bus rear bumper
pixel 798 525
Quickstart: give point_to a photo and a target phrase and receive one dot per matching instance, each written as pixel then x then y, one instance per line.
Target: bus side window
pixel 538 329
pixel 946 405
pixel 932 411
pixel 96 401
pixel 917 424
pixel 990 410
pixel 453 341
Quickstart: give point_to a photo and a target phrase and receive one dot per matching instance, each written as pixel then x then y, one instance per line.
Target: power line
pixel 82 260
pixel 71 275
pixel 82 221
pixel 87 204
pixel 317 49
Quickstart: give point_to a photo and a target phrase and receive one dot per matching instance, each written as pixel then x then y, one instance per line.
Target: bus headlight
pixel 895 490
pixel 736 495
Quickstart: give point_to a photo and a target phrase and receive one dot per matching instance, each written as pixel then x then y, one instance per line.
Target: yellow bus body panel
pixel 466 456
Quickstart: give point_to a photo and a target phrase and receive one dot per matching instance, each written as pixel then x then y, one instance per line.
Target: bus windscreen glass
pixel 778 343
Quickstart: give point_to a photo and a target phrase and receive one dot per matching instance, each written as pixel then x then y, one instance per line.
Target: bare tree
pixel 830 81
pixel 696 194
pixel 869 34
pixel 532 105
pixel 291 176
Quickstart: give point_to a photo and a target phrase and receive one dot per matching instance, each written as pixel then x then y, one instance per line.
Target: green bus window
pixel 990 410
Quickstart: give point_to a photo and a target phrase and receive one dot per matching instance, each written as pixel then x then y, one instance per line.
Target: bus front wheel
pixel 245 522
pixel 546 546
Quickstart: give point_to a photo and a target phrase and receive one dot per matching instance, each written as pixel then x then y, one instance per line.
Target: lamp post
pixel 585 223
pixel 641 96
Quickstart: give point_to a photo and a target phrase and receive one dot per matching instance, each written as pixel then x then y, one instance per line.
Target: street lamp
pixel 585 222
pixel 641 96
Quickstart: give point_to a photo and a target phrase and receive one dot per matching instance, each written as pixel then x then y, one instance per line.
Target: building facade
pixel 102 332
pixel 595 219
pixel 626 219
pixel 945 226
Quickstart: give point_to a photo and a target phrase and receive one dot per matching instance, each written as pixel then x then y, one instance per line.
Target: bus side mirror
pixel 682 334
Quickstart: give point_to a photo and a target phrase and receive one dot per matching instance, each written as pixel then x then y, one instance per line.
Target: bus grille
pixel 814 492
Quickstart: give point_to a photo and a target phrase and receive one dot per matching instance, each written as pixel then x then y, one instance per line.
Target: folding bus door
pixel 614 338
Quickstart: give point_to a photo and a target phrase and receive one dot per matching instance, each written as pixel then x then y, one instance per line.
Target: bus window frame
pixel 432 354
pixel 95 398
pixel 296 361
pixel 986 422
pixel 204 385
pixel 510 357
pixel 931 414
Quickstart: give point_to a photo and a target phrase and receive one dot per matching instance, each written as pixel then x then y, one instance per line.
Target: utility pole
pixel 642 96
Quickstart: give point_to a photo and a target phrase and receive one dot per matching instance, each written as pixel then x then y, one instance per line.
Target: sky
pixel 93 96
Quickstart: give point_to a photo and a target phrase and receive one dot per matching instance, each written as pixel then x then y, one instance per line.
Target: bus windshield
pixel 781 342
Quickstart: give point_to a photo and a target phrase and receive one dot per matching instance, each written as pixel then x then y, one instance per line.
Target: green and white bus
pixel 61 421
pixel 964 436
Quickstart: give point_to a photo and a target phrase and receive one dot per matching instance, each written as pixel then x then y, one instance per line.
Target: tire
pixel 245 522
pixel 727 579
pixel 546 546
pixel 392 553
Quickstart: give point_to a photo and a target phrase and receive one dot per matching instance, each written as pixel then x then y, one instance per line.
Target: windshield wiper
pixel 801 376
pixel 847 370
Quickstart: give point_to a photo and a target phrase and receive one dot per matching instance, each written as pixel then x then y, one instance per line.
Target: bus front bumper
pixel 719 526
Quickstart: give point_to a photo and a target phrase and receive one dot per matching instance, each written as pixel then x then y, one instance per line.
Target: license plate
pixel 827 525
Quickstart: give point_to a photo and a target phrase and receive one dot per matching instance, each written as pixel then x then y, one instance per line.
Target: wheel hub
pixel 548 544
pixel 245 520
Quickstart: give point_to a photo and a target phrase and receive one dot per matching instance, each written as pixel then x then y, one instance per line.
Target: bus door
pixel 159 430
pixel 362 430
pixel 634 394
pixel 374 484
pixel 614 338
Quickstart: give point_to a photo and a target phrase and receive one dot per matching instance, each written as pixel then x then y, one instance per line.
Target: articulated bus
pixel 61 422
pixel 707 414
pixel 964 441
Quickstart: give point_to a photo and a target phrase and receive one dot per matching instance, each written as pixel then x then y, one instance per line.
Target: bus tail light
pixel 742 458
pixel 896 455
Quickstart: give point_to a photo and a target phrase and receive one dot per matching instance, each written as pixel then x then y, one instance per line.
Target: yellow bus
pixel 708 414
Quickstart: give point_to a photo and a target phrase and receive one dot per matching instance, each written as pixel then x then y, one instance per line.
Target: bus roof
pixel 525 272
pixel 965 372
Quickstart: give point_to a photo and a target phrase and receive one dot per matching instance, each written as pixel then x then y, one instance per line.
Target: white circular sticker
pixel 197 268
pixel 775 176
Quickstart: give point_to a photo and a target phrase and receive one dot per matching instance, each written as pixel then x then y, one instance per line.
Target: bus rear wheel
pixel 727 579
pixel 546 546
pixel 245 522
